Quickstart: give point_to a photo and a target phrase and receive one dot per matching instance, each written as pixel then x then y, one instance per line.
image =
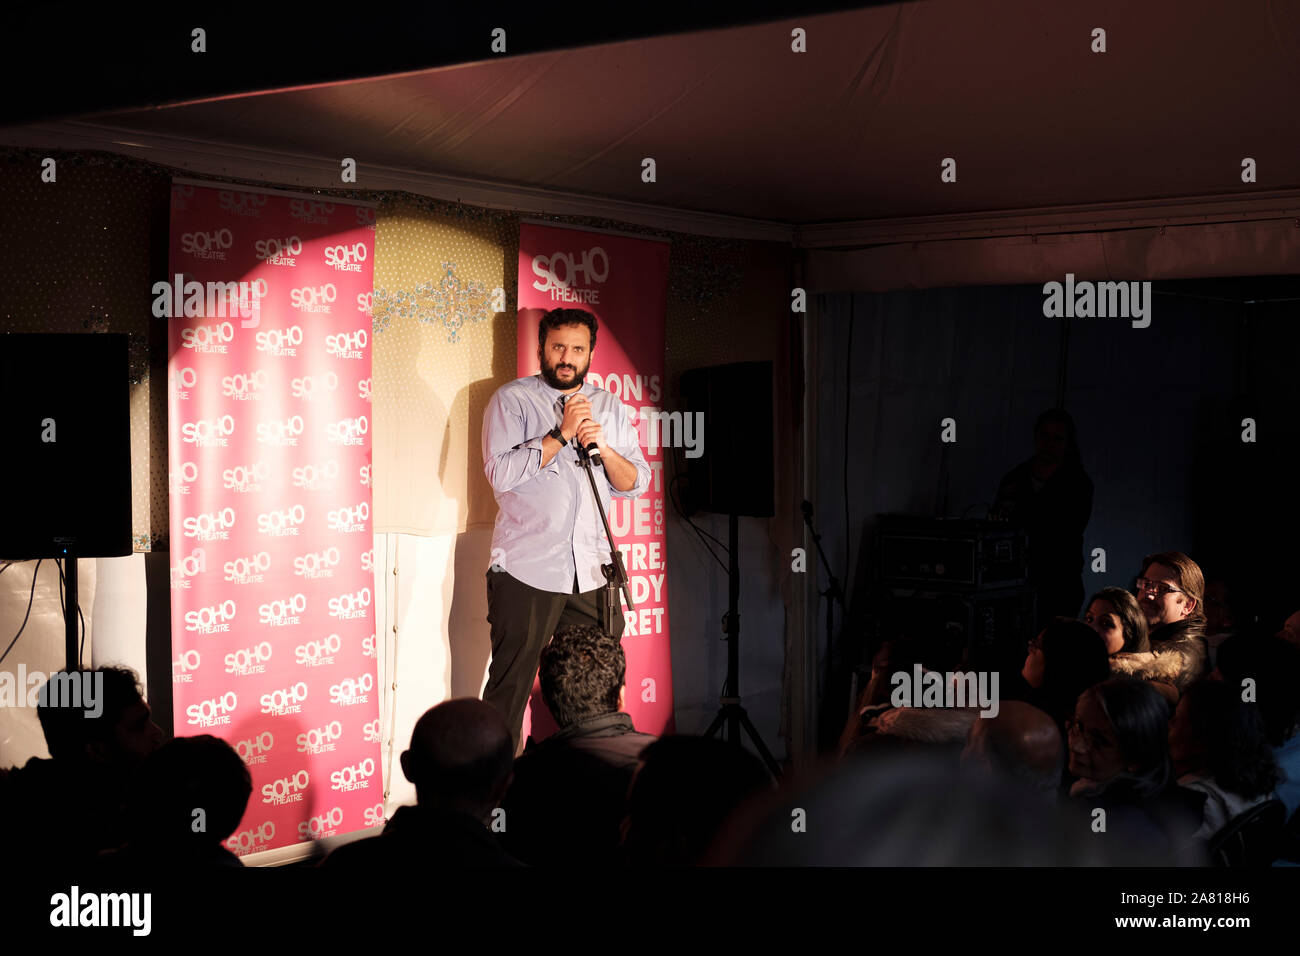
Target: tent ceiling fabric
pixel 854 129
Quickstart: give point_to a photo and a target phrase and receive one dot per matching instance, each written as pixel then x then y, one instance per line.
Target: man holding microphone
pixel 548 545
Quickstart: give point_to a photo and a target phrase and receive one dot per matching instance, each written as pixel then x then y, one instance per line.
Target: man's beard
pixel 553 379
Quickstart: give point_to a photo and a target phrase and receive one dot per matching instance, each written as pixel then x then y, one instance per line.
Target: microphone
pixel 591 451
pixel 588 451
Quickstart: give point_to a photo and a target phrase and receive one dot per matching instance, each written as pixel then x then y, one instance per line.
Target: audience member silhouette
pixel 1220 748
pixel 1278 692
pixel 684 791
pixel 1220 615
pixel 1023 744
pixel 1114 614
pixel 459 760
pixel 877 726
pixel 1064 660
pixel 914 809
pixel 1119 753
pixel 569 794
pixel 1050 497
pixel 188 798
pixel 69 807
pixel 1171 596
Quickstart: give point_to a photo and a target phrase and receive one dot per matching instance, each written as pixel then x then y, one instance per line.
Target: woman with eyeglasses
pixel 1062 661
pixel 1171 596
pixel 1117 743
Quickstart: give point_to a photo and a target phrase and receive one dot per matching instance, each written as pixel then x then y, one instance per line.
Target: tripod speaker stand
pixel 731 714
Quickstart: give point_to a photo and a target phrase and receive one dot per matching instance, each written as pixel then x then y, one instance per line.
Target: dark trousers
pixel 523 620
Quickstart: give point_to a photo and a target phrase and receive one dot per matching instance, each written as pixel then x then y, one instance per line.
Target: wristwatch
pixel 558 435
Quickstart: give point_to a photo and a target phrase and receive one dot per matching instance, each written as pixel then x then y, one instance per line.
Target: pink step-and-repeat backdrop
pixel 273 611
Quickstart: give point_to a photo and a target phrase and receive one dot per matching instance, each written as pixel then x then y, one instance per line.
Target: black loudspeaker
pixel 733 474
pixel 66 435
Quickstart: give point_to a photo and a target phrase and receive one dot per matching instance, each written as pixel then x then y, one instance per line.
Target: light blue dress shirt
pixel 547 529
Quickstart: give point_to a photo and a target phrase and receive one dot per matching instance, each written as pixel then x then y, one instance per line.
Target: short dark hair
pixel 581 671
pixel 460 756
pixel 189 773
pixel 556 318
pixel 68 730
pixel 1074 659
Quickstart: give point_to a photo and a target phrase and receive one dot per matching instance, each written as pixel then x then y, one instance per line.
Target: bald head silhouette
pixel 460 757
pixel 1021 742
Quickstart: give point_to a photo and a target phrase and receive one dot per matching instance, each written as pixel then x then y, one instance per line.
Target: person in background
pixel 1219 747
pixel 166 832
pixel 1118 741
pixel 70 807
pixel 1114 614
pixel 1220 615
pixel 460 759
pixel 1050 497
pixel 1170 592
pixel 569 794
pixel 1023 744
pixel 1064 660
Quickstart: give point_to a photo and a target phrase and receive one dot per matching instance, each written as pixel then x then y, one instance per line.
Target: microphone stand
pixel 833 594
pixel 615 573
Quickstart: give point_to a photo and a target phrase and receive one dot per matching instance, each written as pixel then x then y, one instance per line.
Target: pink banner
pixel 623 281
pixel 272 549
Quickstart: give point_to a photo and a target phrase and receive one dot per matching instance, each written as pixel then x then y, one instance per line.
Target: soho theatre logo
pixel 322 825
pixel 82 690
pixel 309 388
pixel 249 660
pixel 349 520
pixel 346 258
pixel 288 789
pixel 252 839
pixel 355 777
pixel 279 524
pixel 286 700
pixel 1086 300
pixel 284 612
pixel 321 740
pixel 213 619
pixel 352 691
pixel 314 299
pixel 256 749
pixel 350 607
pixel 310 210
pixel 278 252
pixel 318 653
pixel 212 712
pixel 556 274
pixel 241 203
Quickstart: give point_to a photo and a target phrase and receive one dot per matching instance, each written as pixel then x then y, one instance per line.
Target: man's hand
pixel 576 410
pixel 590 431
